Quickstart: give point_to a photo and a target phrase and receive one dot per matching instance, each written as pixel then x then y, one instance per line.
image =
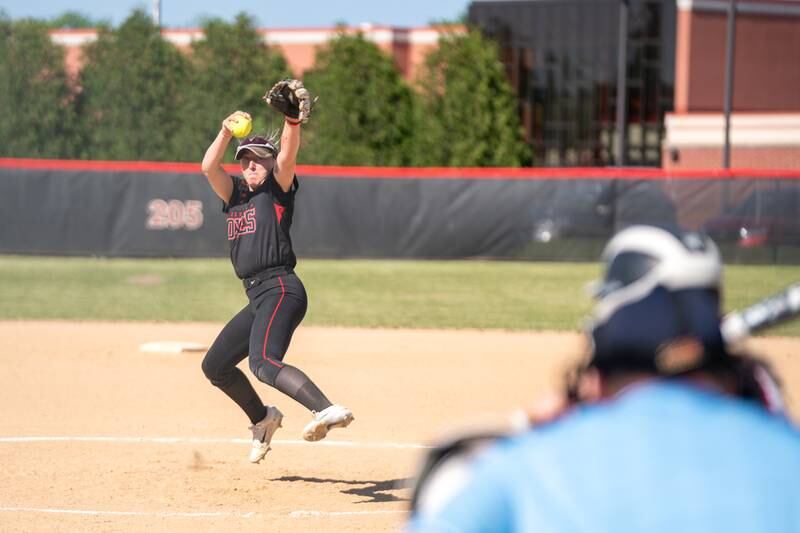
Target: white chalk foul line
pixel 178 514
pixel 162 514
pixel 194 440
pixel 303 514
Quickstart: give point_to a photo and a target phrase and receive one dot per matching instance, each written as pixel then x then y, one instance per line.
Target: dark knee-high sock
pixel 240 390
pixel 294 383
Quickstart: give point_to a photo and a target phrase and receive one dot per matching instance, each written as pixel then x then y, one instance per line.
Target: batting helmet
pixel 658 305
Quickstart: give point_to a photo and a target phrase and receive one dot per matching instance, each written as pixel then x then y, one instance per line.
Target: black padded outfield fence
pixel 140 209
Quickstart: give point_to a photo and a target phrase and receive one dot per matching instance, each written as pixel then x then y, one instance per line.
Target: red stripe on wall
pixel 99 166
pixel 571 173
pixel 350 172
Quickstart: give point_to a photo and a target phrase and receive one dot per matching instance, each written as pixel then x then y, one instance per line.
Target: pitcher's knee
pixel 265 369
pixel 212 371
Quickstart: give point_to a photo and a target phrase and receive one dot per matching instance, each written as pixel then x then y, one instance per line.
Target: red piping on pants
pixel 275 312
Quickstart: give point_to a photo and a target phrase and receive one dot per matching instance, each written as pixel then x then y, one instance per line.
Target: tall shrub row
pixel 138 97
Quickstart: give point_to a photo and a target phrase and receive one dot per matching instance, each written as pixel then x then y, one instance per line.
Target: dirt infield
pixel 99 436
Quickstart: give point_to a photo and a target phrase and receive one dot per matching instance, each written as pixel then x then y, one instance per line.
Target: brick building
pixel 561 57
pixel 765 122
pixel 408 46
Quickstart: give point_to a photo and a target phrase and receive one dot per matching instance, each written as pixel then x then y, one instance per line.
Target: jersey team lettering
pixel 241 223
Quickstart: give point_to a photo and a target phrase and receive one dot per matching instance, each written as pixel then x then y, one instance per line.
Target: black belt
pixel 264 275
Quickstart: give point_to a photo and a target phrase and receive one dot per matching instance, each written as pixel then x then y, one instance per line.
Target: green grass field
pixel 360 293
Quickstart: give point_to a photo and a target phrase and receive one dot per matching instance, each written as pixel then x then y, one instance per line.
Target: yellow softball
pixel 240 126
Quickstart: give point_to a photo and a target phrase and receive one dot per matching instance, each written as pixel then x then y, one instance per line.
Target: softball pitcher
pixel 259 207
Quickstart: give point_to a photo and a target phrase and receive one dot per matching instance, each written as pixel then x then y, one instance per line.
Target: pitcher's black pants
pixel 262 332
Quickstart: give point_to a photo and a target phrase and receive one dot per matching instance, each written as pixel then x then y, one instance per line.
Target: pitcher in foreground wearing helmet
pixel 664 429
pixel 259 207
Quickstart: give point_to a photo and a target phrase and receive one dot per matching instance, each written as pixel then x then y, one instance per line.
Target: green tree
pixel 365 110
pixel 74 19
pixel 233 68
pixel 36 100
pixel 468 112
pixel 133 88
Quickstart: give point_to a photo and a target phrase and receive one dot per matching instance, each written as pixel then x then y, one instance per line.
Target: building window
pixel 560 56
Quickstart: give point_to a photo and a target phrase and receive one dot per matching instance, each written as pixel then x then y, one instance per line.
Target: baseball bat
pixel 771 311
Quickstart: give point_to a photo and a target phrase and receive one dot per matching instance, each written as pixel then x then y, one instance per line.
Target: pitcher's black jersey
pixel 258 226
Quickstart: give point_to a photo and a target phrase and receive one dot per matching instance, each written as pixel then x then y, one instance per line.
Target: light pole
pixel 730 46
pixel 157 13
pixel 622 80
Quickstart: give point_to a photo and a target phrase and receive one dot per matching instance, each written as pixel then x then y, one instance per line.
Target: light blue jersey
pixel 662 457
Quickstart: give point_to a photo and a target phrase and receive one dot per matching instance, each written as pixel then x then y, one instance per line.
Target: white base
pixel 172 347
